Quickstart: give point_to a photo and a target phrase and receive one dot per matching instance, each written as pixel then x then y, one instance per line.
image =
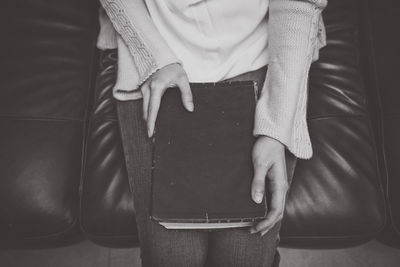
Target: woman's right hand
pixel 172 75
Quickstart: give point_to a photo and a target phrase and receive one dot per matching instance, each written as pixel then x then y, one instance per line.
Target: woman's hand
pixel 269 163
pixel 153 89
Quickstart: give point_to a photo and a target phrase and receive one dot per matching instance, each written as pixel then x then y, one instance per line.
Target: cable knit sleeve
pixel 296 33
pixel 141 48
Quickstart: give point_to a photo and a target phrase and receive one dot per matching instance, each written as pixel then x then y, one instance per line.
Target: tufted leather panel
pixel 47 49
pixel 336 197
pixel 384 58
pixel 107 204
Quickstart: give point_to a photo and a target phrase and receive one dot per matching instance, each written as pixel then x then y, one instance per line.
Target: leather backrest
pixel 107 204
pixel 383 58
pixel 47 52
pixel 336 197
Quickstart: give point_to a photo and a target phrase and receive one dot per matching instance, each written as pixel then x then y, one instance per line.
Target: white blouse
pixel 213 39
pixel 217 39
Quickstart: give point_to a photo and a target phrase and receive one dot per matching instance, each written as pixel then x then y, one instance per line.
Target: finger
pixel 156 92
pixel 145 88
pixel 186 93
pixel 258 183
pixel 278 187
pixel 263 232
pixel 268 223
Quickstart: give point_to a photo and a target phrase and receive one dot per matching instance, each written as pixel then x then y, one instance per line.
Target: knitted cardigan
pixel 296 33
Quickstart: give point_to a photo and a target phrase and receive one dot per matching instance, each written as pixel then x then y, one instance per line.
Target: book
pixel 202 166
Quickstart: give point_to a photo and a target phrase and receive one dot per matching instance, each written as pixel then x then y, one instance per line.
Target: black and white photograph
pixel 200 133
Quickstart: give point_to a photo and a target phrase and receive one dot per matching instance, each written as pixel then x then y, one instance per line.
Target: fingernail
pixel 264 232
pixel 149 132
pixel 258 197
pixel 190 106
pixel 252 231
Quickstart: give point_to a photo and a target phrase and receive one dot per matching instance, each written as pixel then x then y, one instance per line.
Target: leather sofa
pixel 62 171
pixel 384 56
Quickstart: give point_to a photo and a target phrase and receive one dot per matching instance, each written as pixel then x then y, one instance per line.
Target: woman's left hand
pixel 269 163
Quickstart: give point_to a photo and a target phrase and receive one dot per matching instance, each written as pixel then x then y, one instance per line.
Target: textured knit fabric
pixel 211 38
pixel 295 35
pixel 281 110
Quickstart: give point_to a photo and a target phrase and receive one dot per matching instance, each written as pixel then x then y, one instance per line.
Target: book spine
pixel 207 220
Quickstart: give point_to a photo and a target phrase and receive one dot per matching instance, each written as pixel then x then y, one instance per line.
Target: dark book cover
pixel 202 165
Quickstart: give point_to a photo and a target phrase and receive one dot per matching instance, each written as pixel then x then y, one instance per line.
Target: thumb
pixel 258 184
pixel 186 94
